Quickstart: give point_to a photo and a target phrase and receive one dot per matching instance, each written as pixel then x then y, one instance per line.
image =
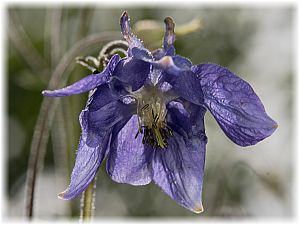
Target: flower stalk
pixel 88 202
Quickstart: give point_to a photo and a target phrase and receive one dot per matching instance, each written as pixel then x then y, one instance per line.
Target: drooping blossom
pixel 146 118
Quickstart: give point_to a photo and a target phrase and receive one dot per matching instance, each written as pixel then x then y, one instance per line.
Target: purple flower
pixel 146 118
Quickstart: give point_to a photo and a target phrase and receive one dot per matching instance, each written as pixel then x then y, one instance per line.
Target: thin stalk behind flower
pixel 88 202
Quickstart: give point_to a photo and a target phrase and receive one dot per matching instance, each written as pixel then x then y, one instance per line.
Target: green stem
pixel 87 202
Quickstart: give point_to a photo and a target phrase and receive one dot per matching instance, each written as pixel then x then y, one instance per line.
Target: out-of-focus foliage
pixel 255 43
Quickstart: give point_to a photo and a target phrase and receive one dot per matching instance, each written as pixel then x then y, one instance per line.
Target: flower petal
pixel 187 119
pixel 184 82
pixel 182 62
pixel 100 97
pixel 87 162
pixel 187 86
pixel 234 104
pixel 179 169
pixel 178 115
pixel 97 121
pixel 142 54
pixel 106 117
pixel 174 65
pixel 132 72
pixel 158 53
pixel 129 161
pixel 87 83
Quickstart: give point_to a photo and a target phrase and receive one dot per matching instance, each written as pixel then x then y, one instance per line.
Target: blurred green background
pixel 255 42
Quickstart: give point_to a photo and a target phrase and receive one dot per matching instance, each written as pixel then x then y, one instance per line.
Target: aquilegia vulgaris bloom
pixel 146 118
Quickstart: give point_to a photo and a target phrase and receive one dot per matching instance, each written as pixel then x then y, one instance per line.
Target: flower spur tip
pixel 46 93
pixel 169 23
pixel 125 27
pixel 125 13
pixel 61 195
pixel 124 16
pixel 169 36
pixel 198 209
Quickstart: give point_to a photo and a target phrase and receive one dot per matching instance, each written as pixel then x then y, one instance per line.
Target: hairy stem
pixel 87 202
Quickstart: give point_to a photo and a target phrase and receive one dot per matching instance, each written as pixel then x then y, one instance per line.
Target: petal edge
pixel 234 104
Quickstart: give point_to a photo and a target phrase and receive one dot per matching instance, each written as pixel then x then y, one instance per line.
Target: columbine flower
pixel 146 118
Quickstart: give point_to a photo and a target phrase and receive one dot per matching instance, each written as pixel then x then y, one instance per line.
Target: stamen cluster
pixel 152 112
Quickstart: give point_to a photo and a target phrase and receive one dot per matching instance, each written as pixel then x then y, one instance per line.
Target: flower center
pixel 152 111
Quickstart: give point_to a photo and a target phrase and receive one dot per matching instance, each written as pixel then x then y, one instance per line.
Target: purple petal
pixel 87 83
pixel 234 104
pixel 182 62
pixel 187 119
pixel 133 41
pixel 87 162
pixel 158 53
pixel 155 78
pixel 96 129
pixel 178 115
pixel 101 97
pixel 129 160
pixel 169 37
pixel 184 82
pixel 108 116
pixel 118 88
pixel 167 65
pixel 179 169
pixel 174 65
pixel 187 86
pixel 142 54
pixel 132 72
